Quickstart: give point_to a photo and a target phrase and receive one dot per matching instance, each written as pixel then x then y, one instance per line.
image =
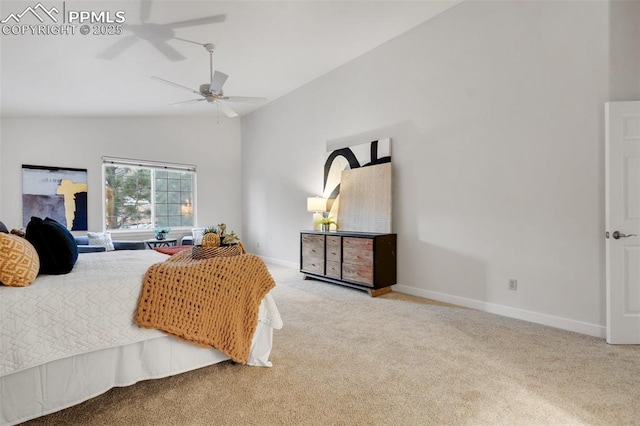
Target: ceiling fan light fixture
pixel 212 91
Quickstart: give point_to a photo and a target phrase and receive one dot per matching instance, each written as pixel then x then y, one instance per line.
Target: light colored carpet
pixel 345 358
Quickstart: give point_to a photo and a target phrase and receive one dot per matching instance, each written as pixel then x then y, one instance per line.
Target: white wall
pixel 81 143
pixel 624 50
pixel 495 110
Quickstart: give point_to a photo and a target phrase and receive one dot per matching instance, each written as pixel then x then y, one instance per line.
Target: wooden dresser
pixel 361 260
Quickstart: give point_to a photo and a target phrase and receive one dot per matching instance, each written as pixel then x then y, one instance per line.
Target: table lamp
pixel 318 206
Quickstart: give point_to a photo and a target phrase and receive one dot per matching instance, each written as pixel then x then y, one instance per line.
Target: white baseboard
pixel 581 327
pixel 279 262
pixel 594 330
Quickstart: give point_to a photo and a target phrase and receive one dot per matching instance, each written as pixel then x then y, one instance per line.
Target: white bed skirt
pixel 59 384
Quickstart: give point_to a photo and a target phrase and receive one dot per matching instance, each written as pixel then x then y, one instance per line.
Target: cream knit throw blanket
pixel 210 302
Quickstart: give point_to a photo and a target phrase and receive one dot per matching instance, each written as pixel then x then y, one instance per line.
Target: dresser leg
pixel 375 292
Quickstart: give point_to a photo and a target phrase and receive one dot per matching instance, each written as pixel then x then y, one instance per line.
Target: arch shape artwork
pixel 364 155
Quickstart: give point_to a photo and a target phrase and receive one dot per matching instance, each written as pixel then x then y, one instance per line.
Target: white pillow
pixel 197 234
pixel 102 239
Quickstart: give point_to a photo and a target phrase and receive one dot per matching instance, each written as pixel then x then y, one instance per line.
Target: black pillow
pixel 3 228
pixel 71 241
pixel 55 245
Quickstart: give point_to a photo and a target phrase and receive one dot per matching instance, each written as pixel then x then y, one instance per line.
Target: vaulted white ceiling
pixel 267 48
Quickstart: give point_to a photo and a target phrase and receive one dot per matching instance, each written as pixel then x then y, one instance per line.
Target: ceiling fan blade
pixel 248 99
pixel 198 21
pixel 145 10
pixel 218 80
pixel 180 86
pixel 225 108
pixel 190 101
pixel 118 47
pixel 168 51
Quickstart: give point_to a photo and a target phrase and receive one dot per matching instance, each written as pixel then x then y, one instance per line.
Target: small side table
pixel 167 242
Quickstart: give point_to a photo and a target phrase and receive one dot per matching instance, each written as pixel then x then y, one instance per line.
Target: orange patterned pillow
pixel 19 262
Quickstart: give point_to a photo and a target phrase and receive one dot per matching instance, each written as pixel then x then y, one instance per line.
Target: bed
pixel 68 338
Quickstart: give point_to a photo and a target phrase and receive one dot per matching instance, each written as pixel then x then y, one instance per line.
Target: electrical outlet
pixel 513 284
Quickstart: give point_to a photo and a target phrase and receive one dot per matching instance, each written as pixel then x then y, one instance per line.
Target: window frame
pixel 153 166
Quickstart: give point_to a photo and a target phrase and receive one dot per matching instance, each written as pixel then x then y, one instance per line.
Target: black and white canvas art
pixel 55 192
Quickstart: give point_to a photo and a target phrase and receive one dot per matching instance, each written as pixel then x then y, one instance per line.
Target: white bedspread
pixel 89 309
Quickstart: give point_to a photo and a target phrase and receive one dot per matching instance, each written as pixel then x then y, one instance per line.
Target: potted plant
pixel 326 222
pixel 226 239
pixel 161 233
pixel 210 230
pixel 230 239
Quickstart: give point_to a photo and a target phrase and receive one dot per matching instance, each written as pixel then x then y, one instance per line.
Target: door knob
pixel 617 235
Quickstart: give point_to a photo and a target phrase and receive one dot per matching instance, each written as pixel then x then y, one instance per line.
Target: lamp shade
pixel 316 204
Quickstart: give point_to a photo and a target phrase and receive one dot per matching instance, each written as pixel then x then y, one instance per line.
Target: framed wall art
pixel 55 192
pixel 369 206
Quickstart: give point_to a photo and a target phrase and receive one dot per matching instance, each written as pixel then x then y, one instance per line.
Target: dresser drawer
pixel 312 240
pixel 333 269
pixel 312 245
pixel 358 251
pixel 334 241
pixel 334 249
pixel 313 253
pixel 312 250
pixel 358 257
pixel 357 243
pixel 313 264
pixel 358 273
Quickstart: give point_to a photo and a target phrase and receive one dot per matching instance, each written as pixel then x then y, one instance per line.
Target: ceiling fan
pixel 156 34
pixel 212 91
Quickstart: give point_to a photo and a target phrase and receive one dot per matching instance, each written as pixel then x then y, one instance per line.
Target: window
pixel 146 195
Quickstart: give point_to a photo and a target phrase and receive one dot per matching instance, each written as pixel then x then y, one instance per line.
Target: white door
pixel 622 174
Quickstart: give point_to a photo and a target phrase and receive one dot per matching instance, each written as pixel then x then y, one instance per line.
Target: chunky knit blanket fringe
pixel 209 302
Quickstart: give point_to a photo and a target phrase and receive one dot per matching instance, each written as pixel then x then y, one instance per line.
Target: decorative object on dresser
pixel 350 158
pixel 361 260
pixel 365 195
pixel 326 222
pixel 317 206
